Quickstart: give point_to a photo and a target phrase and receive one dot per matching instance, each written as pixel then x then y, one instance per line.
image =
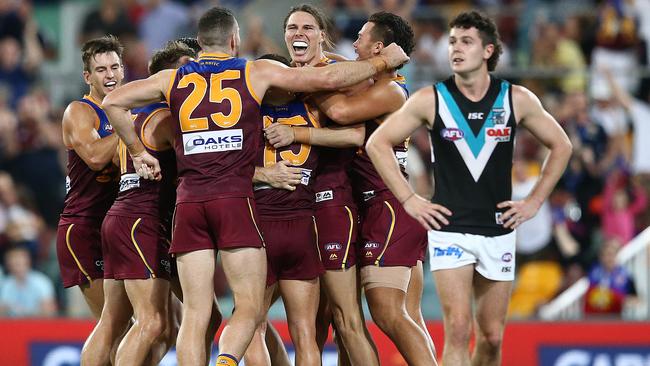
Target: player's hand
pixel 279 135
pixel 518 212
pixel 146 166
pixel 282 175
pixel 429 215
pixel 394 55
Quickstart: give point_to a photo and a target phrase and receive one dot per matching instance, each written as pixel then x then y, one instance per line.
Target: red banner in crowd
pixel 58 343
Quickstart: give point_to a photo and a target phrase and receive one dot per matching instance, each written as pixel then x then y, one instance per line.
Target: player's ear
pixel 86 76
pixel 488 51
pixel 377 47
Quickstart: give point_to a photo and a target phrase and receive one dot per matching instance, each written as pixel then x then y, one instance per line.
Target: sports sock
pixel 226 360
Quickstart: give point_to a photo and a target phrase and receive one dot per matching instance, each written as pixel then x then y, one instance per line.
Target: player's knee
pixel 389 318
pixel 458 330
pixel 347 323
pixel 154 326
pixel 302 331
pixel 490 339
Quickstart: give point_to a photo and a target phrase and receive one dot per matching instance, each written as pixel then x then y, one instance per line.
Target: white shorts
pixel 493 256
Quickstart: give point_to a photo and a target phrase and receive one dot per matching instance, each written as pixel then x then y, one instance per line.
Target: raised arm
pixel 377 100
pixel 79 134
pixel 417 111
pixel 269 73
pixel 530 114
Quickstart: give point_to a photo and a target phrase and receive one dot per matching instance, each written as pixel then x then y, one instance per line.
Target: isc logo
pixel 475 115
pixel 451 134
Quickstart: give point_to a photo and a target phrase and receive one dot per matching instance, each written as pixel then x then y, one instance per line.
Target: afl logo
pixel 507 257
pixel 452 134
pixel 332 247
pixel 371 245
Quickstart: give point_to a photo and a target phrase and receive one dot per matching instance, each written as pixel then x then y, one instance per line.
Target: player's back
pixel 90 193
pixel 281 203
pixel 141 197
pixel 219 128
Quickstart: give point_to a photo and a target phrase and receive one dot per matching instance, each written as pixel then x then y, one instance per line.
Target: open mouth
pixel 110 85
pixel 457 60
pixel 300 47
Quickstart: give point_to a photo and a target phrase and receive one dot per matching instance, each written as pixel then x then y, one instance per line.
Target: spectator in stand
pixel 19 64
pixel 25 292
pixel 164 20
pixel 623 199
pixel 432 45
pixel 109 17
pixel 638 111
pixel 610 285
pixel 256 42
pixel 23 226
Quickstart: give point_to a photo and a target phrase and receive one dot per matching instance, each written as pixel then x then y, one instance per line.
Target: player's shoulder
pixel 523 97
pixel 79 110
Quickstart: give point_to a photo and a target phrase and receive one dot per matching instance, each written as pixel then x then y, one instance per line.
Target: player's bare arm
pixel 417 111
pixel 269 73
pixel 158 133
pixel 280 135
pixel 79 134
pixel 530 114
pixel 117 106
pixel 280 175
pixel 383 97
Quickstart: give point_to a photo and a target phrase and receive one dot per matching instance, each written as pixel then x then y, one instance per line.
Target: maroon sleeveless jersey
pixel 89 194
pixel 142 197
pixel 366 181
pixel 273 203
pixel 219 128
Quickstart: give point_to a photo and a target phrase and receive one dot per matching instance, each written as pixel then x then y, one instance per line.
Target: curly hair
pixel 487 30
pixel 96 46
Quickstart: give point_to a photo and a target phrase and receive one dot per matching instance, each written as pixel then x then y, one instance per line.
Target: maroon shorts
pixel 223 223
pixel 337 236
pixel 79 250
pixel 389 235
pixel 134 248
pixel 291 249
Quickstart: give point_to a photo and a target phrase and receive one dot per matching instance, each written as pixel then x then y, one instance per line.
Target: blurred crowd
pixel 587 61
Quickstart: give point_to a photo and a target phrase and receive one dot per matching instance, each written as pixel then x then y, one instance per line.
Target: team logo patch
pixel 333 247
pixel 499 116
pixel 507 257
pixel 401 157
pixel 306 176
pixel 368 254
pixel 68 184
pixel 129 181
pixel 498 134
pixel 324 196
pixel 108 128
pixel 452 134
pixel 333 257
pixel 213 141
pixel 498 217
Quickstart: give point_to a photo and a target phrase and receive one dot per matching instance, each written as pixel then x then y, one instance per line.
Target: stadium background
pixel 561 50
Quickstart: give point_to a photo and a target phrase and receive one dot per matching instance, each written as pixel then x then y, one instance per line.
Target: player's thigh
pixel 301 299
pixel 342 289
pixel 492 299
pixel 245 270
pixel 454 287
pixel 148 296
pixel 196 274
pixel 414 291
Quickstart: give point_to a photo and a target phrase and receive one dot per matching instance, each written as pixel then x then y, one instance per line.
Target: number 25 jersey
pixel 219 128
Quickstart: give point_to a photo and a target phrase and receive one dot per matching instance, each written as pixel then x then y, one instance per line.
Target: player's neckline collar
pixel 92 99
pixel 214 56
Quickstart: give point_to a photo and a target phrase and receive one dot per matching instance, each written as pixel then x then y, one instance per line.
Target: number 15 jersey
pixel 219 128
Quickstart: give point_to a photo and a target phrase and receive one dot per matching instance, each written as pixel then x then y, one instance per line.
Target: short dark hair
pixel 389 28
pixel 191 43
pixel 323 21
pixel 487 30
pixel 275 57
pixel 215 27
pixel 168 57
pixel 96 46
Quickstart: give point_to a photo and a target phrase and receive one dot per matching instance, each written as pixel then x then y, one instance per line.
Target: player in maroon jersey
pixel 135 237
pixel 91 183
pixel 392 243
pixel 216 140
pixel 305 36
